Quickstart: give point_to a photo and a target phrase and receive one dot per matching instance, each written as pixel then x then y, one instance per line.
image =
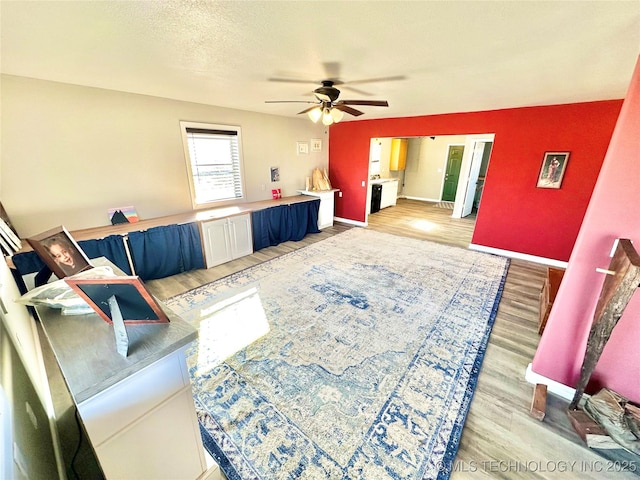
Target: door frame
pixel 465 170
pixel 472 182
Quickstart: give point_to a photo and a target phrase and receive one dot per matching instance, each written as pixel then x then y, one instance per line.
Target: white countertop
pixel 315 193
pixel 382 180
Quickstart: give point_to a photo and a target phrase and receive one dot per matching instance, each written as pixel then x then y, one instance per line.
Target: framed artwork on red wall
pixel 552 171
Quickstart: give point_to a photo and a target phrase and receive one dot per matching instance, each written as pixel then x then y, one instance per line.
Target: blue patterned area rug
pixel 352 358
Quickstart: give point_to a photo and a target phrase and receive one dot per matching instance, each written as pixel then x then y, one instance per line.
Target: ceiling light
pixel 327 119
pixel 337 115
pixel 315 114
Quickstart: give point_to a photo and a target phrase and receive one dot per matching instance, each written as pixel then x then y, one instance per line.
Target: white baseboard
pixel 554 387
pixel 520 256
pixel 422 199
pixel 350 222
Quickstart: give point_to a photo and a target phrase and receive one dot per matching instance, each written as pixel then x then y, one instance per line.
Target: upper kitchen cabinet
pixel 398 160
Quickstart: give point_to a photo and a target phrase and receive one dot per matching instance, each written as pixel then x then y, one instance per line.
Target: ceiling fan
pixel 327 106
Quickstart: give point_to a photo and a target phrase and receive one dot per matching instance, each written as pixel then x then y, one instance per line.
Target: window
pixel 214 162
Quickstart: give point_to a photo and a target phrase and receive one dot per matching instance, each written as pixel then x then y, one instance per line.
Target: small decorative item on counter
pixel 321 180
pixel 123 215
pixel 276 193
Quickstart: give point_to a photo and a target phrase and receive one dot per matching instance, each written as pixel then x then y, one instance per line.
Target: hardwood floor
pixel 499 439
pixel 423 220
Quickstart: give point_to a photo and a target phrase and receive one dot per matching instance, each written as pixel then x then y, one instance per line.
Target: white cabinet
pixel 132 423
pixel 327 200
pixel 389 193
pixel 226 239
pixel 138 411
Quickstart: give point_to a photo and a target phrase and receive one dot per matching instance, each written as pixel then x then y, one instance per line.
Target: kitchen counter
pixel 378 181
pixel 388 194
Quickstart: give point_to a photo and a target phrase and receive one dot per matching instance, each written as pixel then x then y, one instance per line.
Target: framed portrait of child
pixel 60 252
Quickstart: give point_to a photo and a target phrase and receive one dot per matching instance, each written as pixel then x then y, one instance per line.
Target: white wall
pixel 69 153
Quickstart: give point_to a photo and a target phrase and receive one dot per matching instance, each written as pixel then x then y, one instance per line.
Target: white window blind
pixel 215 164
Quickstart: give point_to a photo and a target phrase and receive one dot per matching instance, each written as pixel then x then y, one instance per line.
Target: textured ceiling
pixel 454 56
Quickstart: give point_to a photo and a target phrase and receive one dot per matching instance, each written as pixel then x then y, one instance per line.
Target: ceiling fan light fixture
pixel 327 118
pixel 314 114
pixel 337 115
pixel 327 107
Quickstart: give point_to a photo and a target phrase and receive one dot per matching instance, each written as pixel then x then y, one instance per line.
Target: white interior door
pixel 476 163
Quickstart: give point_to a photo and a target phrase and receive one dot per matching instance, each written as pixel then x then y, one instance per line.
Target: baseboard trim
pixel 350 222
pixel 421 199
pixel 520 256
pixel 554 387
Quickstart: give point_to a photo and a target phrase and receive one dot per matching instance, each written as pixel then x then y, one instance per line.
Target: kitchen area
pixel 386 172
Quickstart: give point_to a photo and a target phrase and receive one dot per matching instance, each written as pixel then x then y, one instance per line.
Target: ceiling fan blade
pixel 291 80
pixel 309 109
pixel 356 90
pixel 288 101
pixel 372 103
pixel 349 110
pixel 381 79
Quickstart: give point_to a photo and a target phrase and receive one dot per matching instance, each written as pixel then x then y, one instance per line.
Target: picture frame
pixel 123 215
pixel 275 174
pixel 135 302
pixel 302 148
pixel 60 252
pixel 10 242
pixel 554 165
pixel 316 145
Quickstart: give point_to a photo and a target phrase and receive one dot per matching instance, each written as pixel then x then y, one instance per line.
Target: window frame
pixel 184 125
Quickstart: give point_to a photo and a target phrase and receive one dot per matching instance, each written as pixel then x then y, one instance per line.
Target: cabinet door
pixel 389 194
pixel 398 160
pixel 325 213
pixel 164 444
pixel 145 426
pixel 217 244
pixel 241 236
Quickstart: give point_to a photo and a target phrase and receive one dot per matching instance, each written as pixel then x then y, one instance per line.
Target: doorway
pixel 427 162
pixel 475 181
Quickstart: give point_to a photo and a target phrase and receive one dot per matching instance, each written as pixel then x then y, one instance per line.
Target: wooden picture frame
pixel 552 170
pixel 136 304
pixel 60 252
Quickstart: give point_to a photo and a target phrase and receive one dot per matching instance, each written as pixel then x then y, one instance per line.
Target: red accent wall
pixel 612 213
pixel 514 215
